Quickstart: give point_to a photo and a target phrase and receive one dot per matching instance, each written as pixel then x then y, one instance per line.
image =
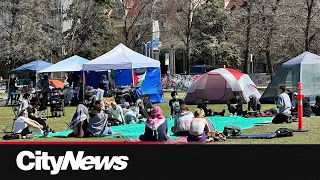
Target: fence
pixel 177 82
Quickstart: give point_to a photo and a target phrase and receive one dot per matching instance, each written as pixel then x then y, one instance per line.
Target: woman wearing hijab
pixel 156 126
pixel 79 122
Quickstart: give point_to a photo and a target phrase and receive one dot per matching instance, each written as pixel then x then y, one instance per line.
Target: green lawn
pixel 311 124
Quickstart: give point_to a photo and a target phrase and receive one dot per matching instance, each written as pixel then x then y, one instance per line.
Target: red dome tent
pixel 217 85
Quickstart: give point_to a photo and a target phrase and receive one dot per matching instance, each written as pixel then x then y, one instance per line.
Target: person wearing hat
pixel 175 104
pixel 306 107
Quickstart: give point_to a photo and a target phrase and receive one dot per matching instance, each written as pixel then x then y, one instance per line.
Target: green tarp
pixel 135 130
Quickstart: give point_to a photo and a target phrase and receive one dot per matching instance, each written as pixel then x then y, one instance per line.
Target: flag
pixel 138 77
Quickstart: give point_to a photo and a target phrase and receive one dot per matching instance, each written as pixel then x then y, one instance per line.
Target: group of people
pixel 97 119
pixel 288 107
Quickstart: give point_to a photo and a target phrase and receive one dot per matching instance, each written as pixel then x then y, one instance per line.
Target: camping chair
pixel 16 110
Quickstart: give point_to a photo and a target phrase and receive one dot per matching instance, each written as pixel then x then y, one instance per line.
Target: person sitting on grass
pixel 235 104
pixel 175 103
pixel 129 115
pixel 306 107
pixel 182 122
pixel 32 109
pixel 79 122
pixel 156 127
pixel 208 111
pixel 141 110
pixel 316 108
pixel 98 122
pixel 283 103
pixel 199 127
pixel 254 103
pixel 117 112
pixel 24 126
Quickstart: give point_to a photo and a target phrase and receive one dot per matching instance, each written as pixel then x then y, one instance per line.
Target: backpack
pixel 284 132
pixel 231 130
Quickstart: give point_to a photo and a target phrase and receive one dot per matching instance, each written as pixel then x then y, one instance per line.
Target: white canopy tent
pixel 120 57
pixel 71 64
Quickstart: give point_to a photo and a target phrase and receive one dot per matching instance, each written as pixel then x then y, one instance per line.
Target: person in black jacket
pixel 316 108
pixel 307 111
pixel 235 103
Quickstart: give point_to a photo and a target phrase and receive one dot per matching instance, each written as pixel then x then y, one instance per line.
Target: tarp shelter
pixel 32 67
pixel 71 64
pixel 217 86
pixel 126 62
pixel 303 68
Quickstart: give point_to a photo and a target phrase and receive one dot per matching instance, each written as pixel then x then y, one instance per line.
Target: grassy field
pixel 311 124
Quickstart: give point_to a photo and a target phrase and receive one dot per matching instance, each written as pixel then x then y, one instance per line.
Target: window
pixel 164 6
pixel 179 5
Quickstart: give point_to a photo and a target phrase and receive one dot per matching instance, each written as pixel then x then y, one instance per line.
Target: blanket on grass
pixel 135 130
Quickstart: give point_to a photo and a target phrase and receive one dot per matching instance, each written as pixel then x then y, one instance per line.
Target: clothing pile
pixel 215 136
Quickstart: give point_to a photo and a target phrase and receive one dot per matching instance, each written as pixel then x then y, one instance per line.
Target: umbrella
pixel 56 84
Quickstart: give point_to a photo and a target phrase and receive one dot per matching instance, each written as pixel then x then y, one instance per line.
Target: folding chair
pixel 16 110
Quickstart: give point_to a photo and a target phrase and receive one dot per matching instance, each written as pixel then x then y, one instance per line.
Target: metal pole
pixel 300 109
pixel 251 59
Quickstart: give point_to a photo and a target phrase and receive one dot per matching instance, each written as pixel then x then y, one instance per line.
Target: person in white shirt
pixel 117 112
pixel 23 125
pixel 99 92
pixel 182 121
pixel 25 102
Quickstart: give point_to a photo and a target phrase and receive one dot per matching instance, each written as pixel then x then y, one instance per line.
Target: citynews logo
pixel 42 161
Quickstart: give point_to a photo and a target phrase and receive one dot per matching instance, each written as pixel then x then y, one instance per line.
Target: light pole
pixel 251 60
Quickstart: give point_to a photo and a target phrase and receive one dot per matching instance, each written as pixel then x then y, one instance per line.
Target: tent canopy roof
pixel 304 58
pixel 33 67
pixel 71 64
pixel 120 57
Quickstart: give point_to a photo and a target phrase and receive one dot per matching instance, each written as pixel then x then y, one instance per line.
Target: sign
pixel 155 35
pixel 166 59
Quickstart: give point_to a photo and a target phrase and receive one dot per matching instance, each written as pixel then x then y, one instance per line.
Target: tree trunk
pixel 188 57
pixel 307 42
pixel 247 49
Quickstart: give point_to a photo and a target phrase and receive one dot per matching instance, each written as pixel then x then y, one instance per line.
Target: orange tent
pixel 56 84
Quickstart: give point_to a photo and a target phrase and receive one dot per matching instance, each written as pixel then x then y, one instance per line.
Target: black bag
pixel 10 136
pixel 284 132
pixel 232 130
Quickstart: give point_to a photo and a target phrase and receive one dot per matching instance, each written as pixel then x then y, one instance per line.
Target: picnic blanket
pixel 135 130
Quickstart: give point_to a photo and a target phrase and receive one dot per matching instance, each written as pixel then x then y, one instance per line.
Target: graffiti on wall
pixel 177 82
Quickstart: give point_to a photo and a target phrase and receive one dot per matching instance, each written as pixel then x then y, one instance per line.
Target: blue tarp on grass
pixel 135 130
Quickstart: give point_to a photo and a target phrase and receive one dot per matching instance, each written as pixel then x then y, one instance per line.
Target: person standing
pixel 105 83
pixel 11 89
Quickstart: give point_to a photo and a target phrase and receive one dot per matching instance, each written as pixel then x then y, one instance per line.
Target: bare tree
pixel 183 26
pixel 134 20
pixel 90 32
pixel 24 31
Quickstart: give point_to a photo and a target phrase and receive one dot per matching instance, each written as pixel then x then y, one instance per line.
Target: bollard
pixel 300 110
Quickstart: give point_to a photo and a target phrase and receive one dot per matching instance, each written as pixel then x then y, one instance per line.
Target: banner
pixel 155 35
pixel 166 59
